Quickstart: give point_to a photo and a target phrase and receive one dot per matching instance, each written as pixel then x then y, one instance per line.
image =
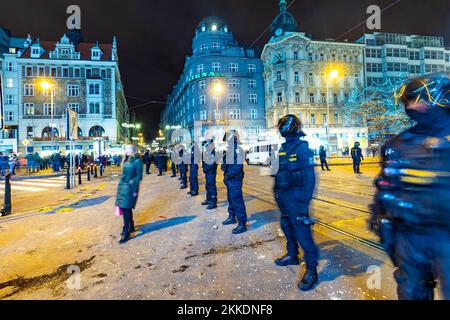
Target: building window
pixel 313 119
pixel 53 72
pixel 77 72
pixel 234 98
pixel 216 66
pixel 335 98
pixel 28 72
pixel 297 97
pixel 200 68
pixel 253 98
pixel 252 68
pixel 311 98
pixel 202 100
pixel 10 116
pixel 74 106
pixel 252 84
pixel 94 88
pixel 9 66
pixel 296 76
pixel 94 108
pixel 323 98
pixel 234 83
pixel 103 73
pixel 49 109
pixel 9 99
pixel 28 90
pixel 49 91
pixel 9 83
pixel 203 115
pixel 295 55
pixel 234 67
pixel 65 72
pixel 253 114
pixel 215 46
pixel 203 48
pixel 202 84
pixel 336 118
pixel 73 90
pixel 88 73
pixel 217 114
pixel 28 109
pixel 311 79
pixel 30 133
pixel 235 114
pixel 279 97
pixel 279 76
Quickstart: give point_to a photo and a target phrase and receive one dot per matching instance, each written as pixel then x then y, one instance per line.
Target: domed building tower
pixel 284 21
pixel 221 87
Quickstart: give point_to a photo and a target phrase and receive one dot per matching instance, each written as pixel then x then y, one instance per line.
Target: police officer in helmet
pixel 195 156
pixel 411 209
pixel 210 171
pixel 294 187
pixel 233 171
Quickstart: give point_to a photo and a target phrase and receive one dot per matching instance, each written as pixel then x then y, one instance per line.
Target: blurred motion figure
pixel 411 209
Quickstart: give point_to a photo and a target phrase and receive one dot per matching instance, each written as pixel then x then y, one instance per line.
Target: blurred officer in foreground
pixel 233 171
pixel 193 169
pixel 323 159
pixel 357 157
pixel 210 170
pixel 294 187
pixel 411 210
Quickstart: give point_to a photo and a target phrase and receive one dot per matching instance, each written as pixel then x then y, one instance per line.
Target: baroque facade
pixel 314 80
pixel 84 77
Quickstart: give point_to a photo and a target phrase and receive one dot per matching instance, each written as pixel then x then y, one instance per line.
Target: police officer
pixel 193 169
pixel 357 156
pixel 173 164
pixel 411 209
pixel 233 171
pixel 147 161
pixel 182 167
pixel 294 188
pixel 159 161
pixel 323 158
pixel 210 170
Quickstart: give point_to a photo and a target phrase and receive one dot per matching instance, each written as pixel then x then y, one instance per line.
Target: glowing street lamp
pixel 333 74
pixel 218 90
pixel 47 85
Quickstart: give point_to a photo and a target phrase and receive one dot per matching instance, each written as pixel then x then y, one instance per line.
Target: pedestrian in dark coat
pixel 159 161
pixel 323 159
pixel 357 157
pixel 128 190
pixel 147 161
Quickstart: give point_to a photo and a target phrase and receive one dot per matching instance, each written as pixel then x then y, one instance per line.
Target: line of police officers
pixel 411 210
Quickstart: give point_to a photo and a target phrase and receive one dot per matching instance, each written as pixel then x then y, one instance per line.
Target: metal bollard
pixel 7 199
pixel 88 173
pixel 79 175
pixel 95 172
pixel 68 178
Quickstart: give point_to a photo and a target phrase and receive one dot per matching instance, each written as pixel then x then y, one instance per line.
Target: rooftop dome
pixel 284 21
pixel 212 24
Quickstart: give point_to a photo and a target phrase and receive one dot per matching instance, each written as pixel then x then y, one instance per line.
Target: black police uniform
pixel 182 168
pixel 159 160
pixel 147 161
pixel 173 164
pixel 357 157
pixel 193 170
pixel 210 171
pixel 294 188
pixel 323 159
pixel 233 170
pixel 412 209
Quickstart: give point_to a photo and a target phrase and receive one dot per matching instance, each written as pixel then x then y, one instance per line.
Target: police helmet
pixel 231 134
pixel 433 89
pixel 290 125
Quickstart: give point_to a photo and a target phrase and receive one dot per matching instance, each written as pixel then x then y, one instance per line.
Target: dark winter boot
pixel 124 239
pixel 229 221
pixel 287 261
pixel 310 280
pixel 194 193
pixel 240 229
pixel 212 205
pixel 205 203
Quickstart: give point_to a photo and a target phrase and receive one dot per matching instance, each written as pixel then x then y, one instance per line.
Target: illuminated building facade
pixel 221 86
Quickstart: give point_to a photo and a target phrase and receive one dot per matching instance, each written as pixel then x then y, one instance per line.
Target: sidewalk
pixel 343 161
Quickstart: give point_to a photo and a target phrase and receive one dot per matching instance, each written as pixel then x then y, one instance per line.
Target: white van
pixel 261 153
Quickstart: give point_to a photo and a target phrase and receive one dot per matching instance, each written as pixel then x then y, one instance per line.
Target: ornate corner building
pixel 313 80
pixel 82 76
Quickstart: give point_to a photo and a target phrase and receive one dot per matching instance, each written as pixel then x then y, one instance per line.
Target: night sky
pixel 154 36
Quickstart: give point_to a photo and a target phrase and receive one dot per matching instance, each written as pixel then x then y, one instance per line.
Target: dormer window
pixel 35 52
pixel 214 27
pixel 96 53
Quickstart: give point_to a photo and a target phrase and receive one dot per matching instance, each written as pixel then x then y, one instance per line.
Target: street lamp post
pixel 331 76
pixel 218 90
pixel 49 86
